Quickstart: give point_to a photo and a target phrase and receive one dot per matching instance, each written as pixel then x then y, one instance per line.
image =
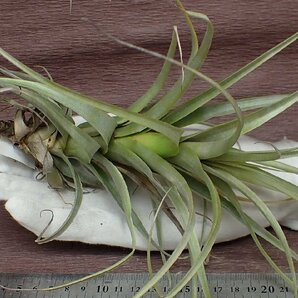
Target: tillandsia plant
pixel 170 149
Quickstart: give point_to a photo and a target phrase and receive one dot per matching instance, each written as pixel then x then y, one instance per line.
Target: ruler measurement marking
pixel 115 285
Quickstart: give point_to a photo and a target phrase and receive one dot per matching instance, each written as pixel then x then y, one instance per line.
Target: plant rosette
pixel 157 175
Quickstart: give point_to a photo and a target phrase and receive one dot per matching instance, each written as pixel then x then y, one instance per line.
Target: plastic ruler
pixel 125 285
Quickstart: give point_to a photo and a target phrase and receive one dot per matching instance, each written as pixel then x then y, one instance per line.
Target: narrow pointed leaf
pixel 75 205
pixel 251 121
pixel 152 92
pixel 196 102
pixel 213 110
pixel 197 57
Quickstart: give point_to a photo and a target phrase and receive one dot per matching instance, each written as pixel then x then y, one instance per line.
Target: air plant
pixel 151 146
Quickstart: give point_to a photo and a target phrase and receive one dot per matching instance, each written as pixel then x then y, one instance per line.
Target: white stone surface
pixel 100 220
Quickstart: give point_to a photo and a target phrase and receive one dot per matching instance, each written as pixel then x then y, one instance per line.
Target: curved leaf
pixel 196 102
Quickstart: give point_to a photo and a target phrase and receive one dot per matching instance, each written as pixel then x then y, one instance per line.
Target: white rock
pixel 100 220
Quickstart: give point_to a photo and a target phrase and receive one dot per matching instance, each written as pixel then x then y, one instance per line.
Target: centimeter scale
pixel 125 285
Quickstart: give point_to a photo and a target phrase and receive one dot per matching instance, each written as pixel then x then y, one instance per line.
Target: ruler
pixel 125 285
